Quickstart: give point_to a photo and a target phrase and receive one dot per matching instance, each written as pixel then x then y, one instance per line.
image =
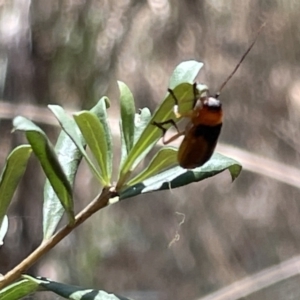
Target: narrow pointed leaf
pixel 177 176
pixel 124 153
pixel 45 153
pixel 69 157
pixel 74 292
pixel 127 116
pixel 13 171
pixel 141 120
pixel 3 229
pixel 18 290
pixel 151 134
pixel 94 135
pixel 185 72
pixel 165 158
pixel 100 111
pixel 181 84
pixel 70 127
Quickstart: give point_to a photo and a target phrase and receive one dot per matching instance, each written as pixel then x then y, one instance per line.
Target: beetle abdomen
pixel 198 145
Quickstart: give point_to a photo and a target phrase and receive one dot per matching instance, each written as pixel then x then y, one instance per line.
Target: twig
pixel 98 203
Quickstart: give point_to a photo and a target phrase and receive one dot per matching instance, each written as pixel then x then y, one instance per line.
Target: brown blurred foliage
pixel 73 52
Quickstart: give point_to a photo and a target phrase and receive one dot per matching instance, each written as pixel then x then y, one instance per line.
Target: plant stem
pixel 98 203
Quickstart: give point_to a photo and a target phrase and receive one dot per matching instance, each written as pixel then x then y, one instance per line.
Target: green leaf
pixel 127 116
pixel 181 84
pixel 185 72
pixel 18 290
pixel 94 135
pixel 72 130
pixel 177 176
pixel 45 153
pixel 151 134
pixel 74 292
pixel 100 111
pixel 164 158
pixel 3 229
pixel 141 120
pixel 69 157
pixel 15 166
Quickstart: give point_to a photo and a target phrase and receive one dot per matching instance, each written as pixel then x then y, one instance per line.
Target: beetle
pixel 206 117
pixel 200 134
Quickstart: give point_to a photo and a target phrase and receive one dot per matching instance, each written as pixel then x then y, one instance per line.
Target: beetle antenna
pixel 241 60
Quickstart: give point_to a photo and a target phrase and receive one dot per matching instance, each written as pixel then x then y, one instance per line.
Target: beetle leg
pixel 173 138
pixel 195 93
pixel 190 113
pixel 173 95
pixel 175 109
pixel 164 130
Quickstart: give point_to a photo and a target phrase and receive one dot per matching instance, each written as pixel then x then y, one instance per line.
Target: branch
pixel 98 203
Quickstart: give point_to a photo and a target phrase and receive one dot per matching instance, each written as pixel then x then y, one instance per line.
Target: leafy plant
pixel 60 164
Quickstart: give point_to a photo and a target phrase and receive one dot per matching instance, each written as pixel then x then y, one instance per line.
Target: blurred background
pixel 72 52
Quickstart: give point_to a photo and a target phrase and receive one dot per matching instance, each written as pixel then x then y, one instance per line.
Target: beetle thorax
pixel 209 113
